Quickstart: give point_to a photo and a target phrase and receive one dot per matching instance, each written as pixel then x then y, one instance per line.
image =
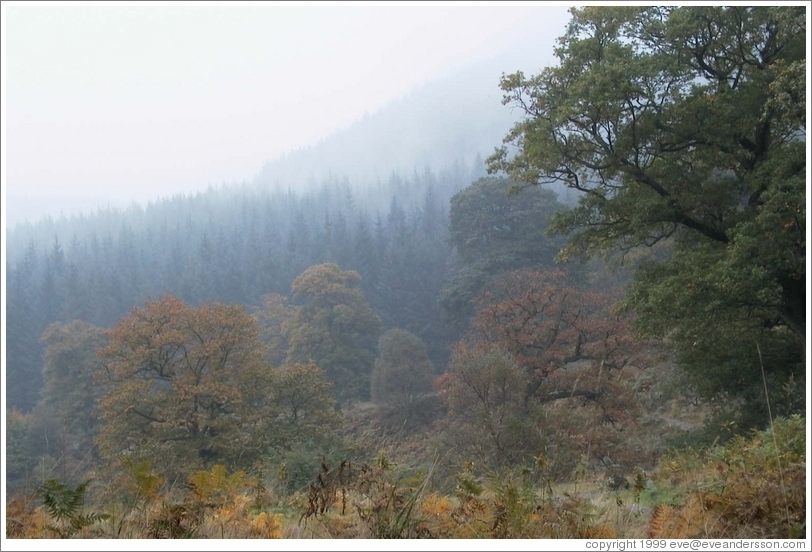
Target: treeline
pixel 317 278
pixel 233 245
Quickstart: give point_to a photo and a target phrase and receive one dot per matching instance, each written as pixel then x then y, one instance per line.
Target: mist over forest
pixel 398 299
pixel 382 177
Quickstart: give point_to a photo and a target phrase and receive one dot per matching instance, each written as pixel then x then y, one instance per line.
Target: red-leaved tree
pixel 577 353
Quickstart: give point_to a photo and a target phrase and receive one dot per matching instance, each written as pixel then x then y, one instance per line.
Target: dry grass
pixel 748 488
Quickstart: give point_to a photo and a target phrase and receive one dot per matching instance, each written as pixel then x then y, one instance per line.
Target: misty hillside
pixel 448 125
pixel 455 119
pixel 373 197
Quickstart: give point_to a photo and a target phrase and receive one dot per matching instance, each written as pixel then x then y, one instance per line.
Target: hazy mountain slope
pixel 456 119
pixel 447 125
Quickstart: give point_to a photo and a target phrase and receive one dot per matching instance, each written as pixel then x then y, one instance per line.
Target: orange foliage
pixel 571 348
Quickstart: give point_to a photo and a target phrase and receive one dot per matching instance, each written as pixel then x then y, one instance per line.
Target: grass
pixel 751 487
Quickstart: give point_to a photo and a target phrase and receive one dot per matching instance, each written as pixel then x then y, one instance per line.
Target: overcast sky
pixel 127 100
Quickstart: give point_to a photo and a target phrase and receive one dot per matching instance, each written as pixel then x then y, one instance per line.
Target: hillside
pixel 375 339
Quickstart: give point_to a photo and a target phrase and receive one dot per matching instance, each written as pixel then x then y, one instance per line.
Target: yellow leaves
pixel 217 484
pixel 689 521
pixel 266 526
pixel 201 483
pixel 444 519
pixel 145 484
pixel 436 506
pixel 662 513
pixel 600 532
pixel 232 513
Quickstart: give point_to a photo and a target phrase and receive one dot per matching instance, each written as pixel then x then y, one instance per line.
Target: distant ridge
pixel 448 124
pixel 458 118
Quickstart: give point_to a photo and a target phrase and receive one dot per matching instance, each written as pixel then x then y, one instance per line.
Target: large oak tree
pixel 545 369
pixel 683 127
pixel 189 387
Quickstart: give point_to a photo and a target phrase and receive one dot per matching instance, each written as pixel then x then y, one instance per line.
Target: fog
pixel 107 104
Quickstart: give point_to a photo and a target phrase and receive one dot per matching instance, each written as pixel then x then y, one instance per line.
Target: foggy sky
pixel 111 103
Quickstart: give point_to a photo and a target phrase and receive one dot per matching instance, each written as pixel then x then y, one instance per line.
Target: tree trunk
pixel 793 311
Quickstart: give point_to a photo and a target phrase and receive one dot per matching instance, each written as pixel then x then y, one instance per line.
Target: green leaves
pixel 60 501
pixel 403 372
pixel 64 505
pixel 681 127
pixel 69 392
pixel 305 406
pixel 495 231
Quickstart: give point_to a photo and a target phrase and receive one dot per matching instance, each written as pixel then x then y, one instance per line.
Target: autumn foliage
pixel 186 385
pixel 333 326
pixel 542 370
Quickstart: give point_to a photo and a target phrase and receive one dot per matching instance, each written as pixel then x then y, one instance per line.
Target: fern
pixel 217 487
pixel 176 521
pixel 61 501
pixel 146 484
pixel 752 487
pixel 23 519
pixel 64 506
pixel 266 526
pixel 659 519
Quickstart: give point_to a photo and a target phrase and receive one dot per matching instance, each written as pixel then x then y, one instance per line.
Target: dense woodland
pixel 234 246
pixel 459 351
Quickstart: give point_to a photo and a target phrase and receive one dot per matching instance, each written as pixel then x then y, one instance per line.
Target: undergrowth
pixel 751 487
pixel 748 488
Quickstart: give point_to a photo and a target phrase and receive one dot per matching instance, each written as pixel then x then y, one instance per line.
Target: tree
pixel 70 365
pixel 489 420
pixel 52 291
pixel 303 428
pixel 543 370
pixel 680 127
pixel 494 232
pixel 275 311
pixel 20 452
pixel 502 231
pixel 413 267
pixel 403 372
pixel 546 324
pixel 24 325
pixel 66 419
pixel 334 327
pixel 189 387
pixel 305 406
